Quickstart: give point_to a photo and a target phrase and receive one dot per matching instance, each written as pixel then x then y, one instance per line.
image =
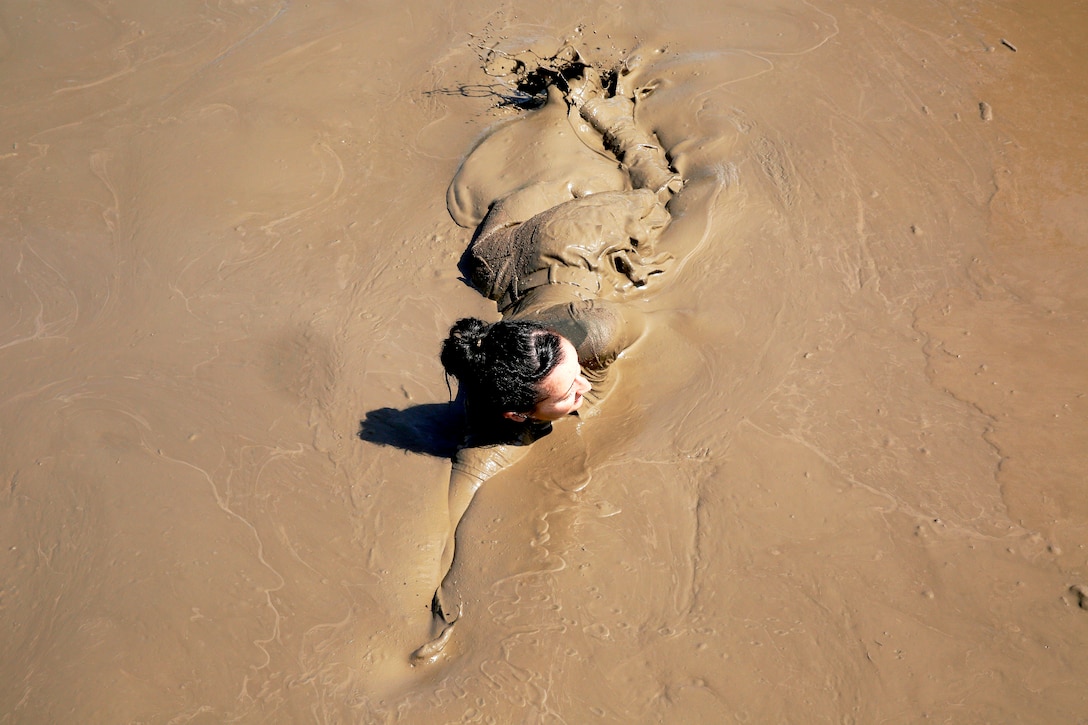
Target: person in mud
pixel 557 250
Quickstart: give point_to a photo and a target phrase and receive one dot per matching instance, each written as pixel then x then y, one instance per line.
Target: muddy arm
pixel 637 149
pixel 471 468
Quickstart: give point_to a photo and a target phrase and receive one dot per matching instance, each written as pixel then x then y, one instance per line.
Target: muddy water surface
pixel 843 479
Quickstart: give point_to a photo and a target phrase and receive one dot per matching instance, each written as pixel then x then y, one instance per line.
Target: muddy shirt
pixel 592 242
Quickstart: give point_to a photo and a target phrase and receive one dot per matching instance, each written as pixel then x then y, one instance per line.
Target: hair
pixel 499 366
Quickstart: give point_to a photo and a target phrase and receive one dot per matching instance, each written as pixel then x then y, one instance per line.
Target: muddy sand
pixel 842 479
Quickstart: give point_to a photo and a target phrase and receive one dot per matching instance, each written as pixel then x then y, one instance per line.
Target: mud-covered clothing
pixel 598 244
pixel 599 331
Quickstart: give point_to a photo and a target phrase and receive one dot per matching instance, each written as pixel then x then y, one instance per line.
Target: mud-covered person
pixel 568 204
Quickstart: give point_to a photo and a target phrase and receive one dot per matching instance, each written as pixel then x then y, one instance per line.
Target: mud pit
pixel 842 479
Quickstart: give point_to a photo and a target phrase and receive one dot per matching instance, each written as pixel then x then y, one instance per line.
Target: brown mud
pixel 841 480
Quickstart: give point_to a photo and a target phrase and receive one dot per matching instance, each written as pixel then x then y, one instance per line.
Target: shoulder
pixel 599 330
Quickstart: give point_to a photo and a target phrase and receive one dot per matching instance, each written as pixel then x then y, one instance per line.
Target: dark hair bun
pixel 463 351
pixel 498 366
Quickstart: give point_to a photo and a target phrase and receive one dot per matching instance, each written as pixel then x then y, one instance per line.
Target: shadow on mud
pixel 432 429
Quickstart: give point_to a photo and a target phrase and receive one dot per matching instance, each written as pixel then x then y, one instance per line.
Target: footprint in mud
pixel 1080 593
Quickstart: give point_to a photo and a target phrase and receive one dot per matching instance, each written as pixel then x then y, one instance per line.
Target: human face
pixel 562 389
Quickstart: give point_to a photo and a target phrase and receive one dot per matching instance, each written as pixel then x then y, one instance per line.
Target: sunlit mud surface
pixel 842 479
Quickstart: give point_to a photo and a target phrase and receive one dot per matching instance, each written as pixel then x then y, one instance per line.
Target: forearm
pixel 463 488
pixel 471 468
pixel 636 148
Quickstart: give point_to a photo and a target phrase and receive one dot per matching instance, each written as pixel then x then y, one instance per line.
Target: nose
pixel 583 384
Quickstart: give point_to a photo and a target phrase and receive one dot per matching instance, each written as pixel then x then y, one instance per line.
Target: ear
pixel 516 417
